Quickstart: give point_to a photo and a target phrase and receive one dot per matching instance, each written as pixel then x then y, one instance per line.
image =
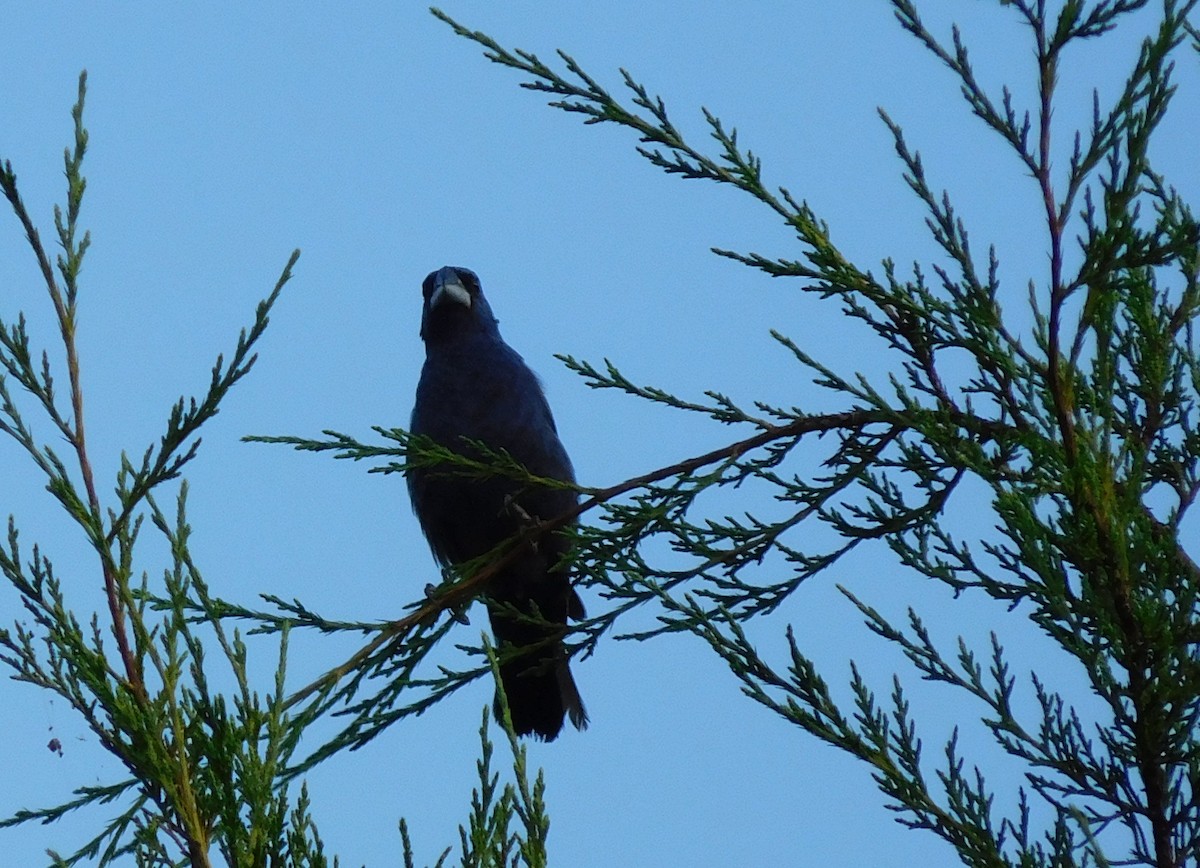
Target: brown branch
pixel 467 589
pixel 75 434
pixel 78 439
pixel 1061 392
pixel 1136 659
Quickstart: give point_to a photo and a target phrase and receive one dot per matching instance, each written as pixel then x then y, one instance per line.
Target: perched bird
pixel 475 387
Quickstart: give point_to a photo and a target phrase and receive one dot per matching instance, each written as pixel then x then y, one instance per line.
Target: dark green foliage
pixel 202 767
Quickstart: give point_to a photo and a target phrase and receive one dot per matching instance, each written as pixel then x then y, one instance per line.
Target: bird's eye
pixel 469 279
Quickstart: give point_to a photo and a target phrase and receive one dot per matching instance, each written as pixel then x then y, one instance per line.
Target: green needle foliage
pixel 201 767
pixel 488 839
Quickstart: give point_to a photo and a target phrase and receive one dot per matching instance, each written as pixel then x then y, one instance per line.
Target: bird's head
pixel 454 304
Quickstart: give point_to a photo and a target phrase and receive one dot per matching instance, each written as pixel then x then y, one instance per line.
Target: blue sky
pixel 224 135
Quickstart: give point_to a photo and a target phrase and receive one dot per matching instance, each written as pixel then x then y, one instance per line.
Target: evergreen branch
pixel 173 741
pixel 463 591
pixel 174 451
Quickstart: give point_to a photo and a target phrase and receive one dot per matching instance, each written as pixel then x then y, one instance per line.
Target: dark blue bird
pixel 474 387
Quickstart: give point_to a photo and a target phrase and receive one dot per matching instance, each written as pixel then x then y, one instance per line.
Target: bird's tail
pixel 538 701
pixel 536 676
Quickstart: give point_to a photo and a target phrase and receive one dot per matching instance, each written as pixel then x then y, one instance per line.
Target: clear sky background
pixel 223 135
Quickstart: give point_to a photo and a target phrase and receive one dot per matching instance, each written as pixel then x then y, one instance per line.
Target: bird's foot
pixel 527 521
pixel 459 614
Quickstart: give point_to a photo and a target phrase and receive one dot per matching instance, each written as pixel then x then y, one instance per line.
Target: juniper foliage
pixel 1072 404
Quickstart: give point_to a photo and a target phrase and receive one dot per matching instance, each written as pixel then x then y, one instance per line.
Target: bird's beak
pixel 448 288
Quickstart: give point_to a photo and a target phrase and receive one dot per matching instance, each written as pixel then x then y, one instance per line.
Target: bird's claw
pixel 527 521
pixel 459 614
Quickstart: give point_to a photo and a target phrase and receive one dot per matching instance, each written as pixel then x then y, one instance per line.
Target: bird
pixel 476 389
